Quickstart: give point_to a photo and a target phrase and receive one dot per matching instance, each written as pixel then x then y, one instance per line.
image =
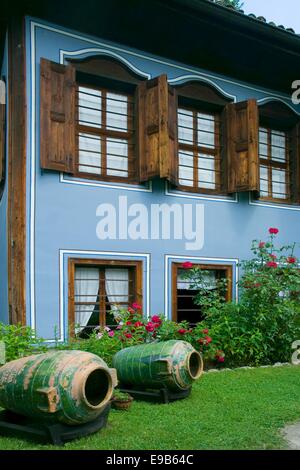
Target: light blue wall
pixel 3 232
pixel 62 212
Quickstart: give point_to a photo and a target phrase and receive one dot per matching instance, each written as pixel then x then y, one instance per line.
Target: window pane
pixel 117 286
pixel 279 188
pixel 89 154
pixel 209 280
pixel 278 146
pixel 263 143
pixel 206 173
pixel 117 157
pixel 206 130
pixel 264 181
pixel 185 126
pixel 86 294
pixel 186 170
pixel 89 107
pixel 117 111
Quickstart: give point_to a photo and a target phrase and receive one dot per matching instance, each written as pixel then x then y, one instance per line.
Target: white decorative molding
pixel 99 51
pixel 272 205
pixel 90 254
pixel 269 99
pixel 198 196
pixel 193 77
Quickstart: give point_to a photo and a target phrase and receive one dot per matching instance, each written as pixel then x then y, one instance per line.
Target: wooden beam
pixel 16 210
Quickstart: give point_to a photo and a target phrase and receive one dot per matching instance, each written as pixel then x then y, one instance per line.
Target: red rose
pixel 273 231
pixel 128 335
pixel 128 323
pixel 272 264
pixel 137 306
pixel 182 331
pixel 221 359
pixel 130 310
pixel 205 331
pixel 208 339
pixel 201 340
pixel 257 285
pixel 156 319
pixel 273 257
pixel 150 327
pixel 261 245
pixel 138 324
pixel 291 260
pixel 187 265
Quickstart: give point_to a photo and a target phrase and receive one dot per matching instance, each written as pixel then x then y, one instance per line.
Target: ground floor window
pixel 183 306
pixel 98 287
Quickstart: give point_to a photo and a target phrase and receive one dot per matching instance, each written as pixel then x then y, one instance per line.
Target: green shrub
pixel 20 341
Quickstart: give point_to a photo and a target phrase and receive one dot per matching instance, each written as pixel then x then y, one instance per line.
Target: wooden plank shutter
pixel 2 130
pixel 242 146
pixel 294 139
pixel 57 116
pixel 157 129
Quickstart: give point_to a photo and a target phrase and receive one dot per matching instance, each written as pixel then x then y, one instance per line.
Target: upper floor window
pixel 105 133
pixel 279 153
pixel 274 161
pixel 200 142
pixel 199 149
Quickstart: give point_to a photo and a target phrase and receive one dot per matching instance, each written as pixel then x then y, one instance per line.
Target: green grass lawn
pixel 241 409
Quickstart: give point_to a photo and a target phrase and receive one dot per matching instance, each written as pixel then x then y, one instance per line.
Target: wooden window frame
pixel 271 164
pixel 88 262
pixel 196 149
pixel 102 133
pixel 206 267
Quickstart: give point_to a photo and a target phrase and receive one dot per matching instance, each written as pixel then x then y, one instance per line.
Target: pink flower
pixel 291 260
pixel 273 256
pixel 130 310
pixel 150 327
pixel 205 331
pixel 208 339
pixel 137 306
pixel 273 231
pixel 221 359
pixel 119 327
pixel 187 265
pixel 272 264
pixel 156 319
pixel 138 324
pixel 182 331
pixel 261 245
pixel 107 328
pixel 111 333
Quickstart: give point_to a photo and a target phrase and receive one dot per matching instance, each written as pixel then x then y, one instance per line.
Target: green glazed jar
pixel 72 387
pixel 171 364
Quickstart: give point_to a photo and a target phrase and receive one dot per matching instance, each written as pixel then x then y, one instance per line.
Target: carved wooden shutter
pixel 242 146
pixel 157 129
pixel 57 116
pixel 294 139
pixel 2 129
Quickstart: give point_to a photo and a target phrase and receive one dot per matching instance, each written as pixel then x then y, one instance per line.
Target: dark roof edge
pixel 238 17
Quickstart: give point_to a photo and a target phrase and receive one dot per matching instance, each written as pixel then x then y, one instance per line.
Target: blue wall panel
pixel 62 210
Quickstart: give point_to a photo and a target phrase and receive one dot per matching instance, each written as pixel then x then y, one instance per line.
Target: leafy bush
pixel 262 327
pixel 134 329
pixel 20 341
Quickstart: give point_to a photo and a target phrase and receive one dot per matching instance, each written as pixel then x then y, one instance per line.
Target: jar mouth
pixel 195 365
pixel 97 387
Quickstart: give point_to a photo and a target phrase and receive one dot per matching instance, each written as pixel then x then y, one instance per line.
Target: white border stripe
pixel 113 255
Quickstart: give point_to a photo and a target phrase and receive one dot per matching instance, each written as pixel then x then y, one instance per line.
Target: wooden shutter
pixel 2 130
pixel 294 139
pixel 242 158
pixel 57 116
pixel 157 129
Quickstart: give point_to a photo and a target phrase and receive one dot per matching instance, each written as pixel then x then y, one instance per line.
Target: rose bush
pixel 261 328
